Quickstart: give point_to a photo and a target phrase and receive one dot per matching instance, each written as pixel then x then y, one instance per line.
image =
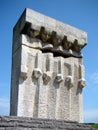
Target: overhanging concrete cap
pixel 51 30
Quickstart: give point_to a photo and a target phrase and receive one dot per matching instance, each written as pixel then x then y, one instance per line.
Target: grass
pixel 95 126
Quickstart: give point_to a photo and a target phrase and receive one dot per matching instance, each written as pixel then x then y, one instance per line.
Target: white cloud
pixel 94 77
pixel 91 116
pixel 4 106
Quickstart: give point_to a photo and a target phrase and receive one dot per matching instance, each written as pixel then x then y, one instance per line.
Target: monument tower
pixel 47 68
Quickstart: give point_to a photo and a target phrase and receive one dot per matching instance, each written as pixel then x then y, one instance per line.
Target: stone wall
pixel 17 123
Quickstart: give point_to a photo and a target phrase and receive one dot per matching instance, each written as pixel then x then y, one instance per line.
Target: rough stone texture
pixel 47 69
pixel 55 36
pixel 16 123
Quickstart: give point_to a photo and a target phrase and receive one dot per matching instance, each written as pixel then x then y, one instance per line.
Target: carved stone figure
pixel 47 69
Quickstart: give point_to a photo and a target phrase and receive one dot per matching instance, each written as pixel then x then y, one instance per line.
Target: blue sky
pixel 82 14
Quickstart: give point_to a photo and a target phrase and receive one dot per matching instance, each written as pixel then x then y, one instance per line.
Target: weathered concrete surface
pixel 17 123
pixel 47 70
pixel 65 38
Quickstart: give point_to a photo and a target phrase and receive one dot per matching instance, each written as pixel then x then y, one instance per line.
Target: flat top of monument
pixel 37 20
pixel 49 28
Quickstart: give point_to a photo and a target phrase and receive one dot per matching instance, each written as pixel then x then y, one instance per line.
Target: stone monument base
pixel 24 123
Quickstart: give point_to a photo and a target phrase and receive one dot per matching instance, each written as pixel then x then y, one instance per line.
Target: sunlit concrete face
pixel 47 70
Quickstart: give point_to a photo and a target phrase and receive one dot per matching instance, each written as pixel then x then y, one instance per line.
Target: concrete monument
pixel 47 69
